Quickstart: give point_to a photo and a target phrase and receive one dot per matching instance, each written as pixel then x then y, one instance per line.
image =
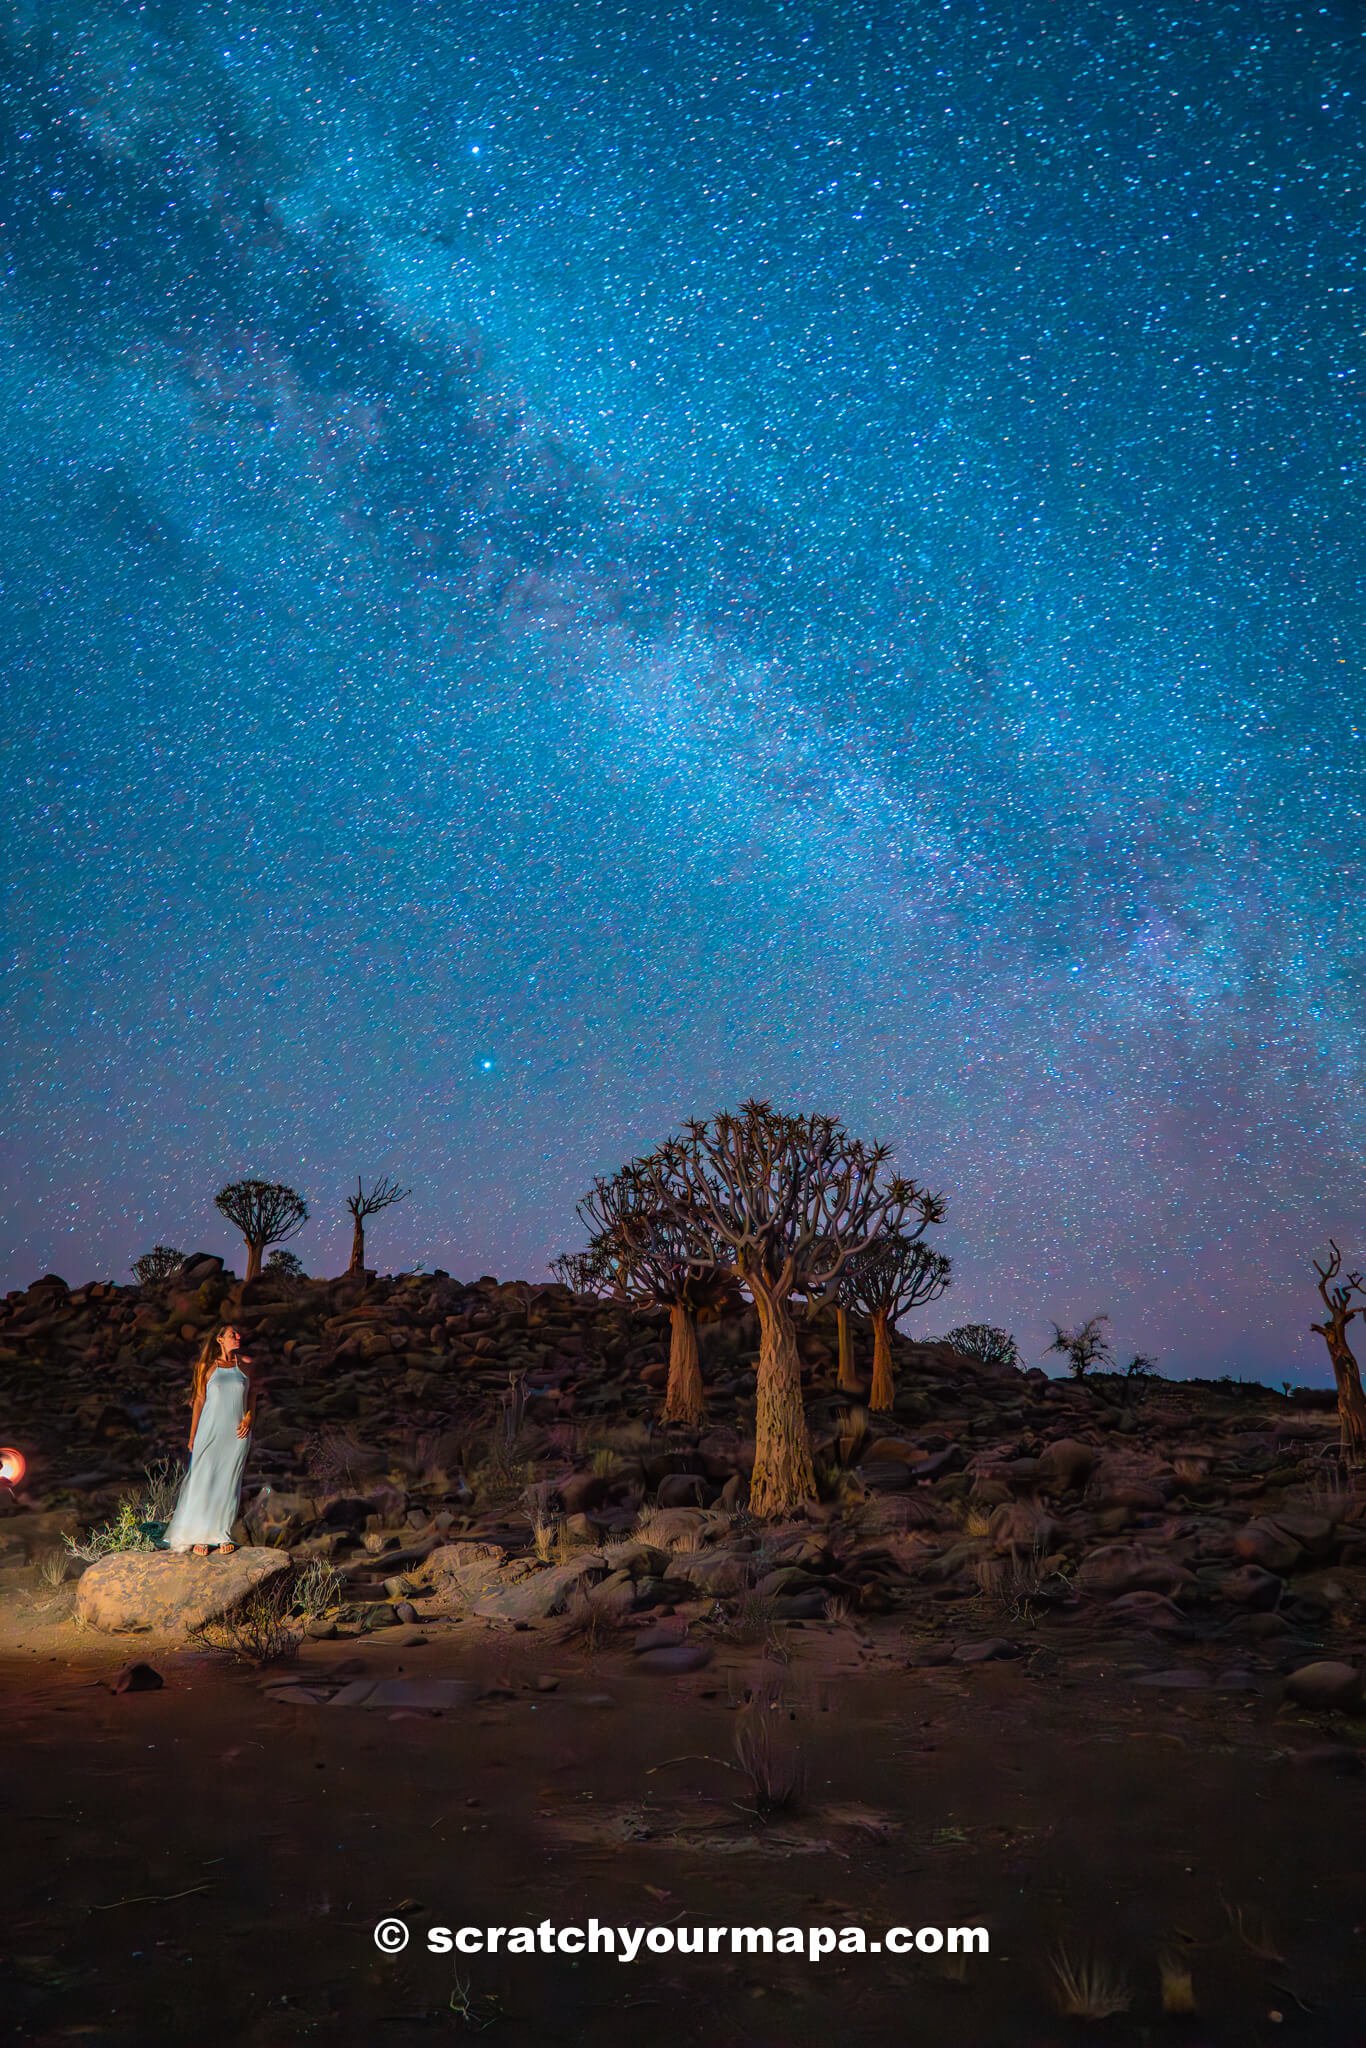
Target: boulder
pixel 1019 1525
pixel 169 1591
pixel 1066 1463
pixel 1126 1568
pixel 1264 1542
pixel 1325 1684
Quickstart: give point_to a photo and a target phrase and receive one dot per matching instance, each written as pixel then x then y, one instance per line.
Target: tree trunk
pixel 357 1264
pixel 1351 1403
pixel 254 1252
pixel 683 1397
pixel 783 1475
pixel 848 1378
pixel 880 1399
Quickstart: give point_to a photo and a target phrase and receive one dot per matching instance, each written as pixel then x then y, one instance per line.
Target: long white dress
pixel 207 1507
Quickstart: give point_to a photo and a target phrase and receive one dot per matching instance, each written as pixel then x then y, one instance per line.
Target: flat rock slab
pixel 425 1695
pixel 169 1591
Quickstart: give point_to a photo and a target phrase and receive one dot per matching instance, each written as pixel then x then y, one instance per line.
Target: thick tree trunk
pixel 1351 1403
pixel 254 1252
pixel 883 1393
pixel 683 1397
pixel 783 1475
pixel 848 1378
pixel 357 1264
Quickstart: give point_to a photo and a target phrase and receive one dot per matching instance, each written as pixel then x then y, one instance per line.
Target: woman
pixel 220 1437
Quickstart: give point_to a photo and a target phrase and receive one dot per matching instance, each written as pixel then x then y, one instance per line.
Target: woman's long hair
pixel 207 1360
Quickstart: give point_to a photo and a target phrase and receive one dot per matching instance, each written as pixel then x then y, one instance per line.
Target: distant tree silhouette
pixel 1086 1346
pixel 638 1253
pixel 786 1201
pixel 886 1280
pixel 265 1212
pixel 996 1348
pixel 157 1264
pixel 288 1264
pixel 382 1195
pixel 1344 1298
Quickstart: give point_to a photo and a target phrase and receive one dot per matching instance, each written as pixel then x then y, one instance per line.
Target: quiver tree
pixel 983 1341
pixel 1343 1296
pixel 160 1263
pixel 382 1195
pixel 639 1253
pixel 885 1281
pixel 264 1212
pixel 1087 1345
pixel 784 1202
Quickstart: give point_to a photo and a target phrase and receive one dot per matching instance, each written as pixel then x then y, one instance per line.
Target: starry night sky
pixel 566 564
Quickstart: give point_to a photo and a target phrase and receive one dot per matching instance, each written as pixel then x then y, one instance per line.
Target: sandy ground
pixel 206 1863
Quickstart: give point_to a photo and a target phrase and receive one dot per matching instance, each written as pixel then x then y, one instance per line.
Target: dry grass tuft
pixel 1178 1989
pixel 769 1758
pixel 258 1631
pixel 1086 1987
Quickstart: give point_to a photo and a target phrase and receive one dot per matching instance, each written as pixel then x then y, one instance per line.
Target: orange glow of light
pixel 13 1465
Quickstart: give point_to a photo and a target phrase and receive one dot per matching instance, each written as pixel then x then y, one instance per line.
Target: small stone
pixel 989 1651
pixel 1326 1684
pixel 1180 1679
pixel 137 1678
pixel 679 1657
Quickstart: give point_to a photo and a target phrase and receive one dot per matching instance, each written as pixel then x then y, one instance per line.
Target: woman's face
pixel 230 1343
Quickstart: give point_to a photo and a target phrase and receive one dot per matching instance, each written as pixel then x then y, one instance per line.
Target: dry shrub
pixel 1178 1989
pixel 1087 1987
pixel 258 1630
pixel 769 1758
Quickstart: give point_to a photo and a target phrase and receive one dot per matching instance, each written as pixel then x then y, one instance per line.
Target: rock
pixel 925 1656
pixel 582 1491
pixel 1019 1525
pixel 537 1595
pixel 137 1678
pixel 1264 1542
pixel 989 1651
pixel 1315 1533
pixel 1127 1568
pixel 197 1268
pixel 681 1490
pixel 1183 1679
pixel 169 1591
pixel 1152 1610
pixel 663 1636
pixel 1248 1585
pixel 676 1658
pixel 1325 1684
pixel 1333 1757
pixel 1066 1464
pixel 710 1571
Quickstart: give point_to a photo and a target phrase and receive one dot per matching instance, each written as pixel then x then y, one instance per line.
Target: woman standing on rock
pixel 220 1437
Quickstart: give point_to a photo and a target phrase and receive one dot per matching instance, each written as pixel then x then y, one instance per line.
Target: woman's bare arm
pixel 249 1406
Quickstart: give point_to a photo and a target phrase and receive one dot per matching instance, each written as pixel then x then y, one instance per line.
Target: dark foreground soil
pixel 206 1863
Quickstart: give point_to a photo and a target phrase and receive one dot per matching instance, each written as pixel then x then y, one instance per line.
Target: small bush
pixel 126 1532
pixel 258 1630
pixel 162 1490
pixel 769 1758
pixel 316 1589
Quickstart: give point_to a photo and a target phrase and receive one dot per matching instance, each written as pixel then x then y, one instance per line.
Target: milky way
pixel 567 564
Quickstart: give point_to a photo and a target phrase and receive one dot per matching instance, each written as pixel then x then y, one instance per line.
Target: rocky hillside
pixel 416 1430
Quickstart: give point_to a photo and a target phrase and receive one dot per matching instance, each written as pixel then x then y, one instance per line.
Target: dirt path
pixel 206 1863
